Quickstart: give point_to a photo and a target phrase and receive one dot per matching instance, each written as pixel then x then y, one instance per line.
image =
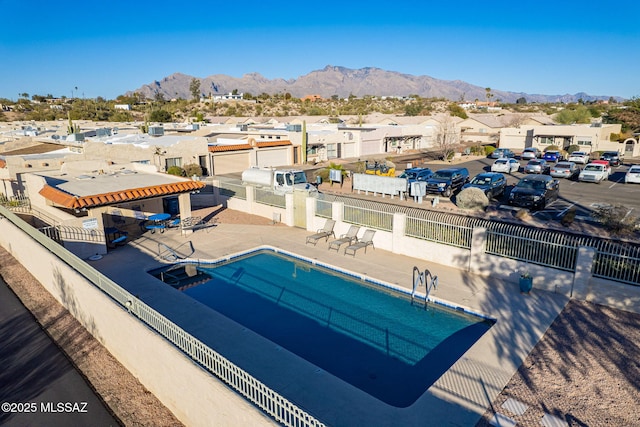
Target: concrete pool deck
pixel 459 397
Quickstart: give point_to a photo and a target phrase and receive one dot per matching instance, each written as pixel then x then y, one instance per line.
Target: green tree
pixel 413 108
pixel 576 114
pixel 194 88
pixel 628 116
pixel 159 115
pixel 458 111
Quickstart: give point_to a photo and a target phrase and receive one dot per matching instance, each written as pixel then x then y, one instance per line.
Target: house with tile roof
pixel 91 197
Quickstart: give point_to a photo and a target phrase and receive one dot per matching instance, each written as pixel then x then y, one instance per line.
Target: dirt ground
pixel 585 370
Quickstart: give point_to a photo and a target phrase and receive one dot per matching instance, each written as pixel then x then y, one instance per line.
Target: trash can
pixel 318 180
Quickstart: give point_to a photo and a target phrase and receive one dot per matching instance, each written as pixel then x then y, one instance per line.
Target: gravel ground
pixel 585 370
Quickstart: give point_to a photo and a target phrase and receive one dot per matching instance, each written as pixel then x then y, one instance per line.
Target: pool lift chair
pixel 363 242
pixel 323 233
pixel 349 237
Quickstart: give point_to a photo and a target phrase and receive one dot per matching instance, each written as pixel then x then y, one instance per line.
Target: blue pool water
pixel 369 336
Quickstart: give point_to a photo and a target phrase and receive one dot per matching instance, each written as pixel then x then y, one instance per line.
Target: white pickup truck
pixel 594 172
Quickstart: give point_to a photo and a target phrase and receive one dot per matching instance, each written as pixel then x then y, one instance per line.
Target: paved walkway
pixel 459 397
pixel 38 378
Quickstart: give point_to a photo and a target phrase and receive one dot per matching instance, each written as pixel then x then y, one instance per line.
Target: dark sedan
pixel 534 191
pixel 492 183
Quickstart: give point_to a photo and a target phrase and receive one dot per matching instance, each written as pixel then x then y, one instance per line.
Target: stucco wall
pixel 193 395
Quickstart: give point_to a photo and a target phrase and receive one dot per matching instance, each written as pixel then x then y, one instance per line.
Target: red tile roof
pixel 70 201
pixel 248 146
pixel 263 144
pixel 234 147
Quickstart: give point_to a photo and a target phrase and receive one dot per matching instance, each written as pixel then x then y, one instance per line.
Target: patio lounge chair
pixel 349 237
pixel 324 232
pixel 363 242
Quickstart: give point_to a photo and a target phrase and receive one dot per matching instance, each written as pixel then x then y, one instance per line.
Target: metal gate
pixel 300 208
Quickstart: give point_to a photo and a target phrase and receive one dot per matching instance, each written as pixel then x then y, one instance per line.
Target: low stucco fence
pixel 582 267
pixel 149 345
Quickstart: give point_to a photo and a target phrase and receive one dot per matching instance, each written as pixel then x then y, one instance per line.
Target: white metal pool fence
pixel 232 188
pixel 614 260
pixel 268 197
pixel 272 403
pixel 61 233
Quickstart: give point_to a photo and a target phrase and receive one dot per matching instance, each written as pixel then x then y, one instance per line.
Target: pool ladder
pixel 420 278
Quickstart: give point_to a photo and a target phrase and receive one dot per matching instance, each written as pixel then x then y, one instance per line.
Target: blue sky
pixel 108 48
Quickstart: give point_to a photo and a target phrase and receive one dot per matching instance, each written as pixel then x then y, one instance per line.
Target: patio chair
pixel 363 242
pixel 324 232
pixel 118 241
pixel 349 237
pixel 173 223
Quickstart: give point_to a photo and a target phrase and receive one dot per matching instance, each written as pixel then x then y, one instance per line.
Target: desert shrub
pixel 176 170
pixel 472 199
pixel 617 219
pixel 552 148
pixel 572 148
pixel 192 169
pixel 488 149
pixel 477 150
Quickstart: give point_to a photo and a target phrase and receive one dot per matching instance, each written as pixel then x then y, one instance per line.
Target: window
pixel 584 142
pixel 332 151
pixel 546 140
pixel 173 161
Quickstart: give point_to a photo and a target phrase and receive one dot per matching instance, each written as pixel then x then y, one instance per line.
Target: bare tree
pixel 447 138
pixel 517 120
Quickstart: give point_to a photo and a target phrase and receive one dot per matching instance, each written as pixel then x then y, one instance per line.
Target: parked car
pixel 632 175
pixel 536 166
pixel 492 183
pixel 530 153
pixel 594 172
pixel 553 156
pixel 446 181
pixel 505 165
pixel 579 157
pixel 606 164
pixel 534 191
pixel 502 152
pixel 414 175
pixel 567 170
pixel 613 157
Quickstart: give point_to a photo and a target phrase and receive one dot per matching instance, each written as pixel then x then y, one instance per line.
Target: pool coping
pixel 459 397
pixel 350 273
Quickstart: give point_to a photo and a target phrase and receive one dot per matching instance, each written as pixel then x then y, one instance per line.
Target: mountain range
pixel 343 82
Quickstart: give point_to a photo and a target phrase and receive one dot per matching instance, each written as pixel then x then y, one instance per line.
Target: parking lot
pixel 583 196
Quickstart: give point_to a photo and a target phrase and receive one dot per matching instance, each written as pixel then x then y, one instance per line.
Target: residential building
pixel 588 137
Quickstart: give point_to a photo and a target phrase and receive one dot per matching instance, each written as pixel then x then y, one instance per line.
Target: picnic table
pixel 157 222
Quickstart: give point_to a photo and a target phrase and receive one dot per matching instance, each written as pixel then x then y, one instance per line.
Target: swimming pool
pixel 359 330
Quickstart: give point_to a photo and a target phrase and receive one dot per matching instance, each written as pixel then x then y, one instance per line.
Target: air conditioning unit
pixel 156 130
